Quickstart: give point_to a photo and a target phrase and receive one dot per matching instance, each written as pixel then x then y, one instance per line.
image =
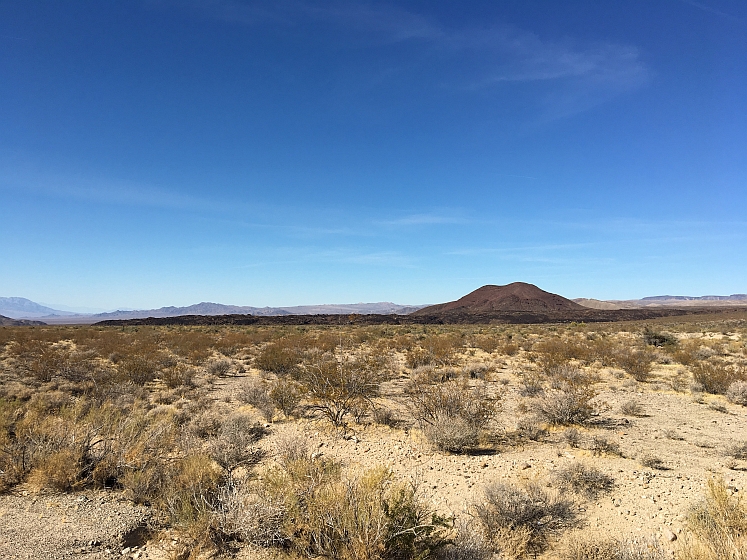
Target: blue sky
pixel 165 152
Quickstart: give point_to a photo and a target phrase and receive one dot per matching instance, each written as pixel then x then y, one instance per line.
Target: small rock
pixel 669 535
pixel 525 466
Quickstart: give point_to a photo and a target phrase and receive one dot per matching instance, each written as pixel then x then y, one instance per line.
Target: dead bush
pixel 583 479
pixel 737 393
pixel 286 395
pixel 519 521
pixel 451 433
pixel 385 416
pixel 572 437
pixel 716 377
pixel 737 450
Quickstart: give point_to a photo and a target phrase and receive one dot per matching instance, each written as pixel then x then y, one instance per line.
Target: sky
pixel 167 152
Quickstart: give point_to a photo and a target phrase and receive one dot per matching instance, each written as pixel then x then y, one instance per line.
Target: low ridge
pixel 517 296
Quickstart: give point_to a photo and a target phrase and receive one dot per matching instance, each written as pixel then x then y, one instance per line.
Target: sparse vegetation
pixel 156 416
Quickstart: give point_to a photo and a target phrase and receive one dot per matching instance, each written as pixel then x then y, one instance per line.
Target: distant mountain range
pixel 665 301
pixel 22 308
pixel 518 296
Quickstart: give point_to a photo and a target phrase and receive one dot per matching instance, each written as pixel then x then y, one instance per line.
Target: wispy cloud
pixel 709 9
pixel 424 219
pixel 583 75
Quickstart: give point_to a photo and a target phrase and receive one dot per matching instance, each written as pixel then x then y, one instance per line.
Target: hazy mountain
pixel 22 308
pixel 666 301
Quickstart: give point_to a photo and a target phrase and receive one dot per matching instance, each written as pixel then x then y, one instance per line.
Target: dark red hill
pixel 518 296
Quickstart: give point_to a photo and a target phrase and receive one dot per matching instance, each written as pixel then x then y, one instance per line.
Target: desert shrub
pixel 220 367
pixel 60 470
pixel 235 444
pixel 737 393
pixel 385 416
pixel 636 363
pixel 532 383
pixel 632 407
pixel 583 479
pixel 286 395
pixel 509 349
pixel 138 369
pixel 468 544
pixel 38 359
pixel 603 350
pixel 652 461
pixel 716 377
pixel 292 448
pixel 436 349
pixel 519 521
pixel 600 445
pixel 658 338
pixel 569 399
pixel 451 433
pixel 737 450
pixel 337 384
pixel 255 392
pixel 595 547
pixel 486 343
pixel 178 375
pixel 190 493
pixel 572 437
pixel 280 357
pixel 452 414
pixel 556 352
pixel 320 513
pixel 530 427
pixel 718 527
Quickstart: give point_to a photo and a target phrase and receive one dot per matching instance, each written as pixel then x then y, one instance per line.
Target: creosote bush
pixel 716 377
pixel 338 384
pixel 636 363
